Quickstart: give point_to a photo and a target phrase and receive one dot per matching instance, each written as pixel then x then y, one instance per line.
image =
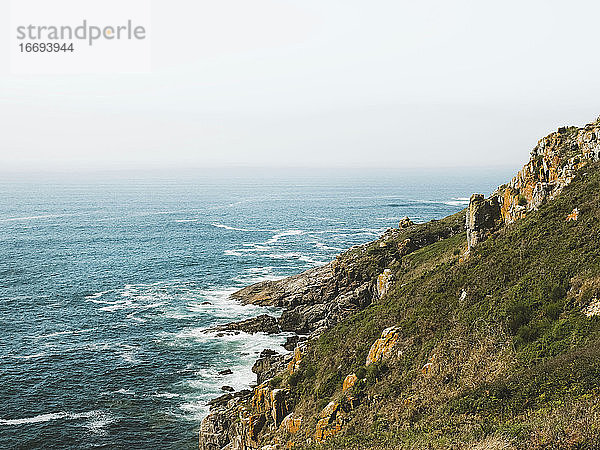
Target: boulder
pixel 268 365
pixel 383 347
pixel 405 222
pixel 349 381
pixel 331 420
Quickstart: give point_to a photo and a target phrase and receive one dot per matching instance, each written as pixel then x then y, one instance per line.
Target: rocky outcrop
pixel 291 424
pixel 294 365
pixel 349 381
pixel 384 281
pixel 405 222
pixel 321 297
pixel 482 217
pixel 268 365
pixel 383 347
pixel 260 324
pixel 312 302
pixel 331 421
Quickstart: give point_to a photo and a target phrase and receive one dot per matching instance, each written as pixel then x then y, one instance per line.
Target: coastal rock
pixel 278 405
pixel 291 424
pixel 382 348
pixel 260 324
pixel 291 342
pixel 331 421
pixel 294 364
pixel 384 281
pixel 214 432
pixel 349 381
pixel 405 222
pixel 267 366
pixel 482 217
pixel 553 164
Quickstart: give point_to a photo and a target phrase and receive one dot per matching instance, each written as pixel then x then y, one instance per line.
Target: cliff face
pixel 405 342
pixel 554 162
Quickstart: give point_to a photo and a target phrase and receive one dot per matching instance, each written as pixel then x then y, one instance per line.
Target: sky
pixel 317 83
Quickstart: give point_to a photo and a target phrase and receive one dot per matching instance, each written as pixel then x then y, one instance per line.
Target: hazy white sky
pixel 378 83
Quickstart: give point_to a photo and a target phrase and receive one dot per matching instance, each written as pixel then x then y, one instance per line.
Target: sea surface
pixel 109 281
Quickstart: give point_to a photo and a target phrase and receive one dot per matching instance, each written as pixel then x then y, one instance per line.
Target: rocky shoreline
pixel 312 302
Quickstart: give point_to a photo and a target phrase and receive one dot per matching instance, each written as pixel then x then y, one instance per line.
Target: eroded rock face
pixel 267 366
pixel 278 405
pixel 553 164
pixel 383 347
pixel 384 281
pixel 291 424
pixel 331 421
pixel 482 217
pixel 294 364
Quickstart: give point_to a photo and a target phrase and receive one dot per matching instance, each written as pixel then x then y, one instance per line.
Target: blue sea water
pixel 108 283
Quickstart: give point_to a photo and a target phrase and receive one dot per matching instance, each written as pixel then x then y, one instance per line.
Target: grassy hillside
pixel 511 358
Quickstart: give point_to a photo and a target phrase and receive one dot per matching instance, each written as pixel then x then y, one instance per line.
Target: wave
pixel 227 227
pixel 298 257
pixel 283 234
pixel 460 201
pixel 324 246
pixel 166 395
pixel 100 418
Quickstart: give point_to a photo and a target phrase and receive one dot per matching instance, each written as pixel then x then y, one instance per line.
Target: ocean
pixel 109 281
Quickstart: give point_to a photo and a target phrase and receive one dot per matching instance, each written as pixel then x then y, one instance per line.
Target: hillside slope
pixel 478 330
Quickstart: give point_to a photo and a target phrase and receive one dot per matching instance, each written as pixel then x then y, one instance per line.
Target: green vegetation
pixel 515 362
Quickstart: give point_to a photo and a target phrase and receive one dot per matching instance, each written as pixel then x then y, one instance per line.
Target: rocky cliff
pixel 479 329
pixel 554 162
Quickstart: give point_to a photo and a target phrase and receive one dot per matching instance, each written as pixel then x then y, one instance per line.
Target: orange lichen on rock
pixel 573 216
pixel 383 347
pixel 261 400
pixel 553 164
pixel 294 364
pixel 349 381
pixel 255 424
pixel 331 421
pixel 291 424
